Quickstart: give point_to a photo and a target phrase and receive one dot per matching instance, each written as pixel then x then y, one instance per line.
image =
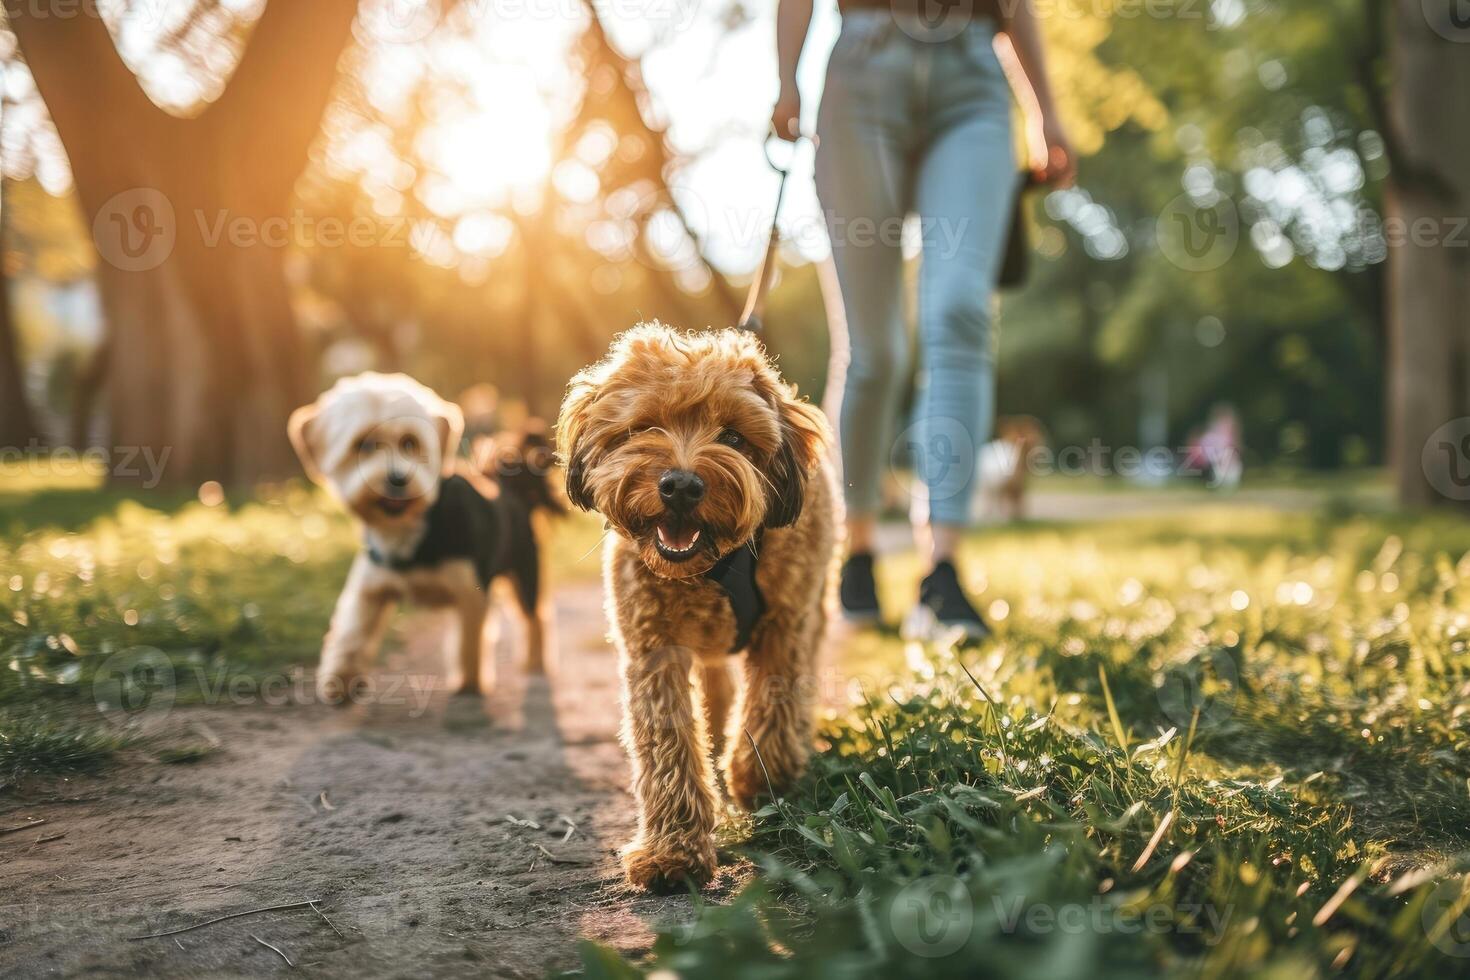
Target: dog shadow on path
pixel 472 831
pixel 438 835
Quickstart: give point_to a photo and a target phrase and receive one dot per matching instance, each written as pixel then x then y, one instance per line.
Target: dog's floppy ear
pixel 449 422
pixel 300 430
pixel 577 491
pixel 804 437
pixel 571 441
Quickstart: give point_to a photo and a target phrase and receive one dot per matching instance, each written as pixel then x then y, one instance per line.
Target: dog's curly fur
pixel 711 404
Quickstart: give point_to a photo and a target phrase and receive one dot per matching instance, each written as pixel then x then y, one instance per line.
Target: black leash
pixel 735 573
pixel 755 301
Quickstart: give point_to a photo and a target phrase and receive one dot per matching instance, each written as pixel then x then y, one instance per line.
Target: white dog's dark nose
pixel 397 480
pixel 680 489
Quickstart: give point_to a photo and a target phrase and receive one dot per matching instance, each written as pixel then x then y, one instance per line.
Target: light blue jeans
pixel 915 126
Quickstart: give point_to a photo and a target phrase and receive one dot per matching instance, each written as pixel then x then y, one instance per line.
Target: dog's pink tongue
pixel 677 540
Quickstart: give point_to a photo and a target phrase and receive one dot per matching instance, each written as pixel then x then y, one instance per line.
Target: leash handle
pixel 755 300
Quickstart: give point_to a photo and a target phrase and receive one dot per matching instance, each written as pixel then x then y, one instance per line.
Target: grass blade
pixel 1113 711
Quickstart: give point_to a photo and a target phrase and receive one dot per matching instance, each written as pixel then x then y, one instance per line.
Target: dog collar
pixel 389 561
pixel 735 574
pixel 397 560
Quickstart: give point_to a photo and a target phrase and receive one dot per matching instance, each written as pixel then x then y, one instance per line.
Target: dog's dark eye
pixel 366 444
pixel 732 439
pixel 409 444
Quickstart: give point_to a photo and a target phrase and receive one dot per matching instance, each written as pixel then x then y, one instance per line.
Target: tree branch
pixel 1403 170
pixel 277 96
pixel 92 95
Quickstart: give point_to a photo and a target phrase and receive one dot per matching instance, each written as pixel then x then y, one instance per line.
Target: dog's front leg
pixel 537 622
pixel 473 609
pixel 358 622
pixel 673 783
pixel 717 689
pixel 776 708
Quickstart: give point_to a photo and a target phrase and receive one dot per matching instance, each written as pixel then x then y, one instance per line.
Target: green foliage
pixel 1221 745
pixel 207 586
pixel 1269 125
pixel 91 575
pixel 1223 742
pixel 33 741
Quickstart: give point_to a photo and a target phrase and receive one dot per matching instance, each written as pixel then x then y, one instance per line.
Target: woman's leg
pixel 965 188
pixel 862 181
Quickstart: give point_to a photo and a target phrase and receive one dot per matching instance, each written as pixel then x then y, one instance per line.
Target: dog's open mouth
pixel 675 541
pixel 394 506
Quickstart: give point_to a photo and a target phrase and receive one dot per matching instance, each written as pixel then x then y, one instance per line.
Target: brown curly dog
pixel 716 480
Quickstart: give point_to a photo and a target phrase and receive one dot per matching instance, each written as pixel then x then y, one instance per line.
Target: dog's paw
pixel 748 782
pixel 669 871
pixel 467 686
pixel 338 689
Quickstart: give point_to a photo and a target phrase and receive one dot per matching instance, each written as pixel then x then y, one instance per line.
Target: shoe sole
pixel 922 625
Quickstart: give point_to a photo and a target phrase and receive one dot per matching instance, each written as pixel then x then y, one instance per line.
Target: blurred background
pixel 213 207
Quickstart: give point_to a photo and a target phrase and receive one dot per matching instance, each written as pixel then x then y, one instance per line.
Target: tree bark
pixel 1428 288
pixel 18 429
pixel 192 224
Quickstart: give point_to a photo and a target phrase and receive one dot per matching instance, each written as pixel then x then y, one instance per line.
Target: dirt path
pixel 395 817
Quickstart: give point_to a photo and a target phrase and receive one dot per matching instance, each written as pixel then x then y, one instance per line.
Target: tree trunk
pixel 191 222
pixel 18 429
pixel 85 388
pixel 1429 260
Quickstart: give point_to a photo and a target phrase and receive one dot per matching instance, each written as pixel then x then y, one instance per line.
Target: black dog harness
pixel 735 574
pixel 494 535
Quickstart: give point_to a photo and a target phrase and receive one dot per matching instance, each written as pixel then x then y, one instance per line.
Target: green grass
pixel 33 741
pixel 95 583
pixel 1222 744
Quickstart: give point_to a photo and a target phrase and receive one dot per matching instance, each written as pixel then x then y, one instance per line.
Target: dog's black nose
pixel 397 480
pixel 680 489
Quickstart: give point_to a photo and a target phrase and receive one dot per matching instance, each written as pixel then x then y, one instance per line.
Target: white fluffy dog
pixel 433 532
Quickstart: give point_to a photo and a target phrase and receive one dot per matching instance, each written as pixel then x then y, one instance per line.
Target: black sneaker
pixel 858 591
pixel 944 610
